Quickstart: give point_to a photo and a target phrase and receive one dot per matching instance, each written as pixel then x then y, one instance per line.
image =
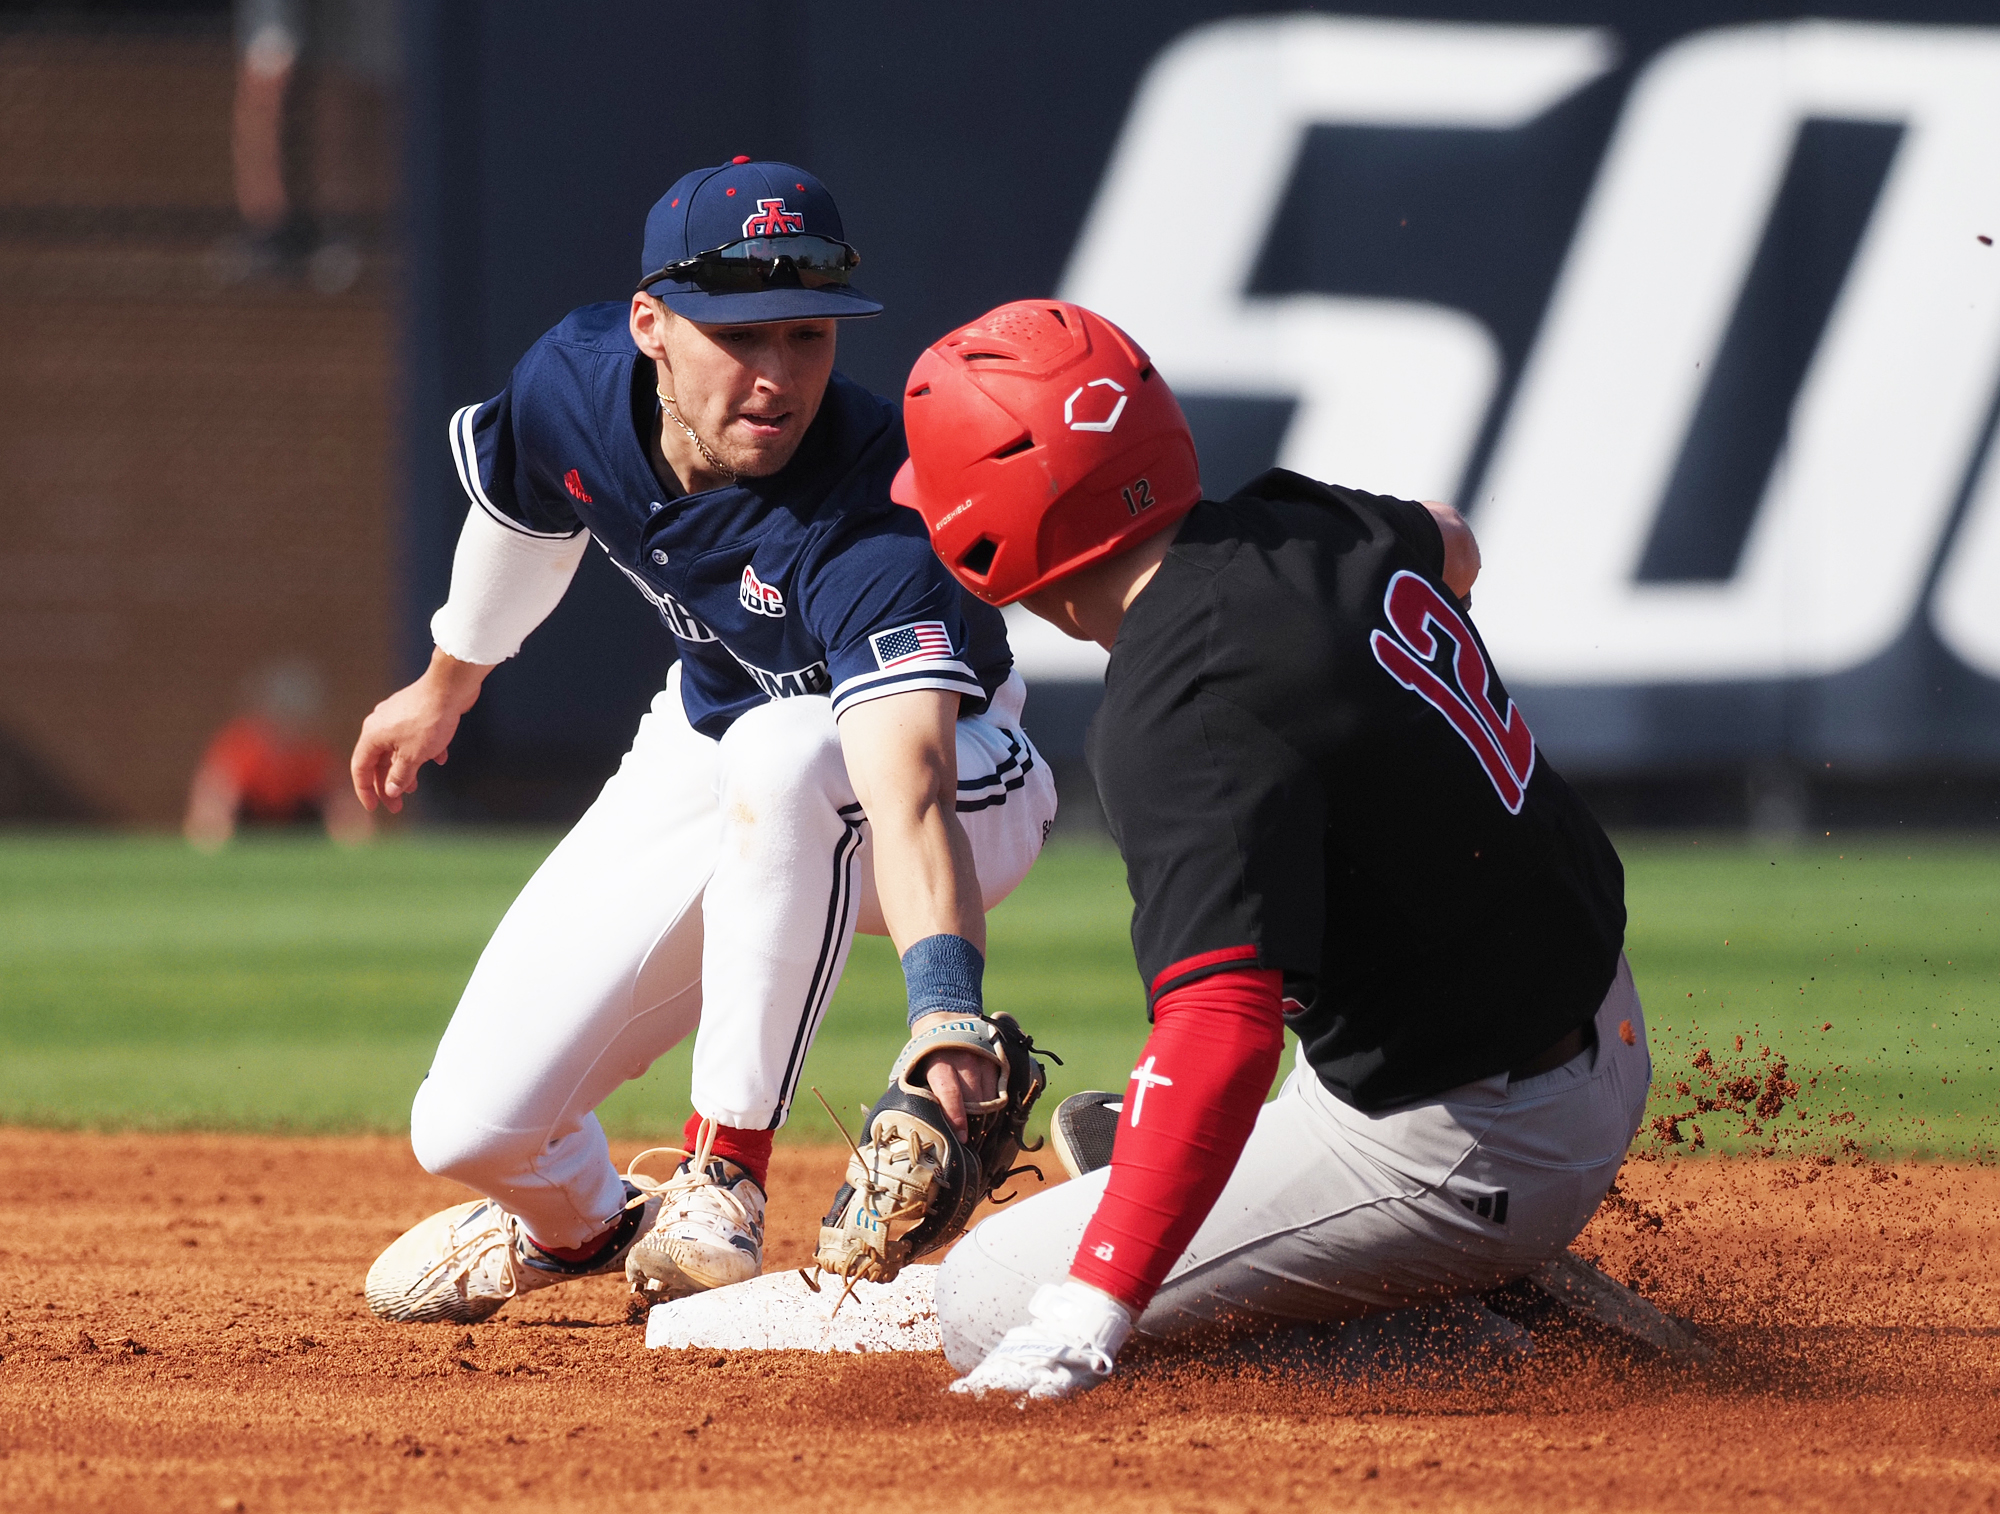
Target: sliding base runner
pixel 1334 820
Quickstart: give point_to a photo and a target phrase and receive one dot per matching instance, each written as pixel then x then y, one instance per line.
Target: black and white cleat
pixel 1083 1128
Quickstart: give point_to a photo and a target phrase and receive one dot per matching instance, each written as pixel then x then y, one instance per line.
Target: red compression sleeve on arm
pixel 1188 1111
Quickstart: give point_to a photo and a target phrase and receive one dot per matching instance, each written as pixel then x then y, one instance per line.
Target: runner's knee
pixel 979 1299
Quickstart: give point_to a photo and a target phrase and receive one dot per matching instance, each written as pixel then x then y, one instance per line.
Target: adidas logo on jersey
pixel 573 481
pixel 758 597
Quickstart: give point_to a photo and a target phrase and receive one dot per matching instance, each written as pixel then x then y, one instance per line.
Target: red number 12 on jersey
pixel 1504 747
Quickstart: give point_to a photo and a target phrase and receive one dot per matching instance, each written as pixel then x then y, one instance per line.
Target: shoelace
pixel 870 1191
pixel 467 1254
pixel 686 1180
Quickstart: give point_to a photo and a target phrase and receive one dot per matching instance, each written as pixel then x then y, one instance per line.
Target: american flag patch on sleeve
pixel 921 642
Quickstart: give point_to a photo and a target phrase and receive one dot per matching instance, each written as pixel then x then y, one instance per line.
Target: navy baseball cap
pixel 748 242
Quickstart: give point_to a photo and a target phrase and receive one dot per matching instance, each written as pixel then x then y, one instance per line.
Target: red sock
pixel 582 1253
pixel 748 1149
pixel 1189 1109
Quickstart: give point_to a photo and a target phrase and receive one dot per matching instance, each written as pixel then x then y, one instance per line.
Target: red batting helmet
pixel 1041 441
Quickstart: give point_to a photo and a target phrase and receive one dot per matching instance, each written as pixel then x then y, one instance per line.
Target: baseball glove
pixel 912 1184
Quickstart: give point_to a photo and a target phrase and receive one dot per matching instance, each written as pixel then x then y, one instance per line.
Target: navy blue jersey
pixel 811 581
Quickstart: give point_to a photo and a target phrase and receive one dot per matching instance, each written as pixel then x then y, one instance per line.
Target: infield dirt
pixel 181 1328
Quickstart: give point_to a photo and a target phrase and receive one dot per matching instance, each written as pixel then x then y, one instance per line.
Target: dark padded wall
pixel 965 145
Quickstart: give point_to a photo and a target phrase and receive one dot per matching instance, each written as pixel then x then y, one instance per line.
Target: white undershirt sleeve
pixel 503 584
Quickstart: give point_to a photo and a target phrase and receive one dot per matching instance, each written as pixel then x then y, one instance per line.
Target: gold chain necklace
pixel 667 404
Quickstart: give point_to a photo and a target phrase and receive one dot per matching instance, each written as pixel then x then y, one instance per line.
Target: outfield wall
pixel 1690 306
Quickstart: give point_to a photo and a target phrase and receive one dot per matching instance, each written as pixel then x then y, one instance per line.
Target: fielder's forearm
pixel 925 878
pixel 902 757
pixel 453 682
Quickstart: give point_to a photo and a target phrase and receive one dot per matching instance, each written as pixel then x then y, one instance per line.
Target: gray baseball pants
pixel 1332 1213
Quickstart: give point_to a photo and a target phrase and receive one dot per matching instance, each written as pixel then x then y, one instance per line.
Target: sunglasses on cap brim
pixel 789 262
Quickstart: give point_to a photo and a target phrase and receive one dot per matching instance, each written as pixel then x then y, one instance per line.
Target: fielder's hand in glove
pixel 932 1149
pixel 958 1080
pixel 1069 1344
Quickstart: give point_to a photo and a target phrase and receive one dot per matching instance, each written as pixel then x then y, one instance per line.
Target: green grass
pixel 286 985
pixel 1890 942
pixel 281 984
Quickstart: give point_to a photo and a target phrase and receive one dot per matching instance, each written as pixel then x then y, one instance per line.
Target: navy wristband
pixel 944 973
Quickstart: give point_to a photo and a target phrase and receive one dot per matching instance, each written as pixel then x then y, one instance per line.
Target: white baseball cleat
pixel 1069 1345
pixel 710 1230
pixel 463 1264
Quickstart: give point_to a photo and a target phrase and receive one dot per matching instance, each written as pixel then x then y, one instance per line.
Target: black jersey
pixel 1309 764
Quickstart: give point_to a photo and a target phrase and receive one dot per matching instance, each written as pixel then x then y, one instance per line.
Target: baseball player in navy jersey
pixel 838 747
pixel 1333 819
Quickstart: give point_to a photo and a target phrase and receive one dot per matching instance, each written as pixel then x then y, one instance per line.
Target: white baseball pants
pixel 713 888
pixel 1332 1213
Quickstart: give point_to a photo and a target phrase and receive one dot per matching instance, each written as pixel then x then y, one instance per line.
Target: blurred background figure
pixel 304 71
pixel 273 765
pixel 158 553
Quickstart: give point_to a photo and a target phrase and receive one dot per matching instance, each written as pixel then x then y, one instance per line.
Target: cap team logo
pixel 771 219
pixel 758 597
pixel 906 644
